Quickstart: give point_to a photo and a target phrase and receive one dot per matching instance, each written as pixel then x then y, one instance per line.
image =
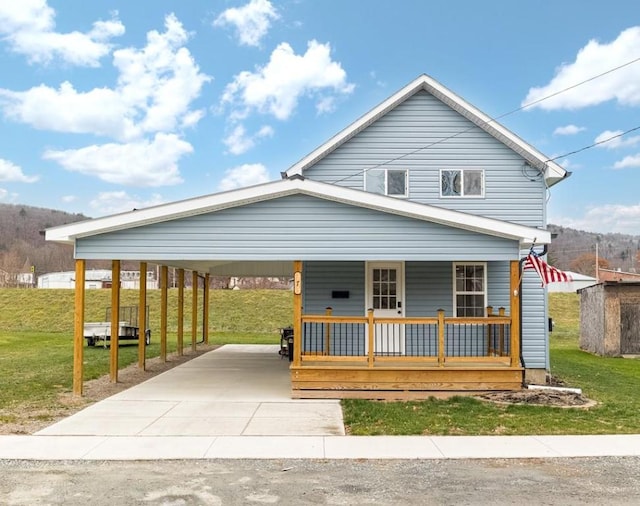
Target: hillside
pixel 618 250
pixel 22 244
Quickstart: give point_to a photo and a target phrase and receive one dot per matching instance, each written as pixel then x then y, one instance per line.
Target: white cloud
pixel 10 172
pixel 612 218
pixel 616 142
pixel 244 175
pixel 277 88
pixel 156 85
pixel 120 201
pixel 239 142
pixel 100 111
pixel 69 198
pixel 29 28
pixel 622 85
pixel 140 163
pixel 252 21
pixel 628 162
pixel 568 130
pixel 3 193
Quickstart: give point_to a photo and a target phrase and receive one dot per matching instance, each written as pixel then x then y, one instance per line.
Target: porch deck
pixel 407 358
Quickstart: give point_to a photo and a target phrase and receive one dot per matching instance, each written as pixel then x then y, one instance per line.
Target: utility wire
pixel 603 141
pixel 495 118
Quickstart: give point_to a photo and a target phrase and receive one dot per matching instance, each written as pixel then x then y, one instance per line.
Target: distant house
pixel 403 234
pixel 578 282
pixel 95 279
pixel 617 275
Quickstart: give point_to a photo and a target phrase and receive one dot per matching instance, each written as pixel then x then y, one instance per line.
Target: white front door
pixel 385 294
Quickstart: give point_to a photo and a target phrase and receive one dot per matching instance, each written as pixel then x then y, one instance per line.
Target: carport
pixel 211 235
pixel 235 390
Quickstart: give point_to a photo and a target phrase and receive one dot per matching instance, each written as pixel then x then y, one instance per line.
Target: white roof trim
pixel 552 171
pixel 235 198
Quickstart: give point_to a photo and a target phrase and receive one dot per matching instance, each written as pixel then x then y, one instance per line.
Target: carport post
pixel 180 311
pixel 297 312
pixel 142 317
pixel 194 309
pixel 205 311
pixel 164 278
pixel 115 320
pixel 78 328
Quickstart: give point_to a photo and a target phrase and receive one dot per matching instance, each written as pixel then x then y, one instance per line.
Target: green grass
pixel 36 348
pixel 36 336
pixel 612 382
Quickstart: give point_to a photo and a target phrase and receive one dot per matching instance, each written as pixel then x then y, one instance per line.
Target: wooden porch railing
pixel 431 341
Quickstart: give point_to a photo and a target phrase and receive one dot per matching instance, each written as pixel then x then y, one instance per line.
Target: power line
pixel 595 144
pixel 495 118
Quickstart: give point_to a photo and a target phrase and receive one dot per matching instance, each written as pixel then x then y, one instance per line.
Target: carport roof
pixel 297 186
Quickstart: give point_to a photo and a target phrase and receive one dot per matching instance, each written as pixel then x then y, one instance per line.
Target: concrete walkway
pixel 234 403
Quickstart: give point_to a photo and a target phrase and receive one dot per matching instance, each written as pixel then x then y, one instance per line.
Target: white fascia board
pixel 235 198
pixel 552 171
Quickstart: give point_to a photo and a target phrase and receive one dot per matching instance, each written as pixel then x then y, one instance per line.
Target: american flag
pixel 547 273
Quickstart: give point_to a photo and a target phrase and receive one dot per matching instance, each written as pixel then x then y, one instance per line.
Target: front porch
pixel 406 357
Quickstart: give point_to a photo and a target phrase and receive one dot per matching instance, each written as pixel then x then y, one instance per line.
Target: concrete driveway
pixel 234 390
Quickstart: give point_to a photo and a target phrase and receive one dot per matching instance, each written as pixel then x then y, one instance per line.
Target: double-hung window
pixel 392 182
pixel 461 182
pixel 470 289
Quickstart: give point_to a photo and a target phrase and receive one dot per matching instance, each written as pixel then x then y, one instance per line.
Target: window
pixel 469 289
pixel 462 183
pixel 392 182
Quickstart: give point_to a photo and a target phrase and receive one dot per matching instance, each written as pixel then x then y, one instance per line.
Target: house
pixel 617 275
pixel 578 281
pixel 403 234
pixel 95 279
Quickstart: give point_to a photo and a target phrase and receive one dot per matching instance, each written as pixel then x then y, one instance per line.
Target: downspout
pixel 522 260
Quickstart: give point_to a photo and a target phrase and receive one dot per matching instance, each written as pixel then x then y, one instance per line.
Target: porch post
pixel 142 316
pixel 297 313
pixel 78 328
pixel 115 320
pixel 164 278
pixel 205 312
pixel 515 313
pixel 180 311
pixel 370 337
pixel 327 333
pixel 194 310
pixel 441 341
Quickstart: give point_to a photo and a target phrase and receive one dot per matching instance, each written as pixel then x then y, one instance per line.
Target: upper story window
pixel 469 289
pixel 392 182
pixel 462 183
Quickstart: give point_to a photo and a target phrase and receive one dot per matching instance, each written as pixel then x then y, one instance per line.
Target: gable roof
pixel 297 186
pixel 552 171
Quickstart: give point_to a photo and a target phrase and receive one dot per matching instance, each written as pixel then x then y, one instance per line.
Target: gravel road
pixel 567 482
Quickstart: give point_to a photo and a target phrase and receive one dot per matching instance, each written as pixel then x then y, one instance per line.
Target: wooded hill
pixel 22 244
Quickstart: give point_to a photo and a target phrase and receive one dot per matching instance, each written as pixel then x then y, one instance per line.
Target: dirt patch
pixel 27 418
pixel 544 397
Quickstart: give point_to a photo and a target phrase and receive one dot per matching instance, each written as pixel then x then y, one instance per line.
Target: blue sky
pixel 110 105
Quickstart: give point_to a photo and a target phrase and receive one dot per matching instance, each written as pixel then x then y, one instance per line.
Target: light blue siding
pixel 424 135
pixel 292 228
pixel 428 287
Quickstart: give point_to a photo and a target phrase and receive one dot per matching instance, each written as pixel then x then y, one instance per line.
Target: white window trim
pixel 386 185
pixel 462 170
pixel 484 285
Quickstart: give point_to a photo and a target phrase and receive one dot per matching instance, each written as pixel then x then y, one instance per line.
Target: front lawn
pixel 612 382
